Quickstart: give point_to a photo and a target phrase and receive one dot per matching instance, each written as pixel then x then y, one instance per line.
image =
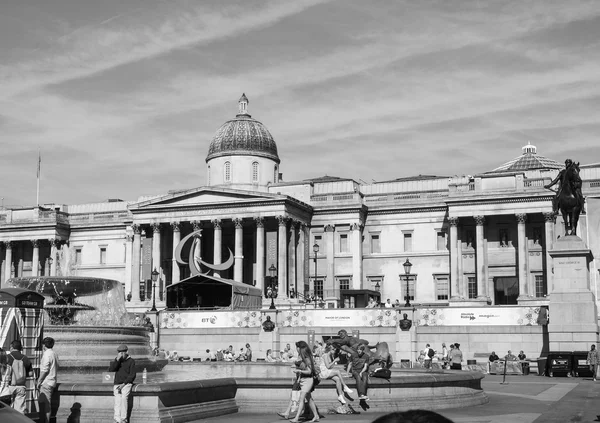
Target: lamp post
pixel 316 252
pixel 154 275
pixel 407 265
pixel 273 291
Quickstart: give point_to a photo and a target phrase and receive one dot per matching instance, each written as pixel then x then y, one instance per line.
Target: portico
pixel 258 229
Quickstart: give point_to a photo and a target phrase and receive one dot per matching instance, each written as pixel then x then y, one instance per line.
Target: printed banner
pixel 477 316
pixel 210 319
pixel 339 317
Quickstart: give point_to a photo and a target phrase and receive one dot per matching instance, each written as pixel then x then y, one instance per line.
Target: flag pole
pixel 39 171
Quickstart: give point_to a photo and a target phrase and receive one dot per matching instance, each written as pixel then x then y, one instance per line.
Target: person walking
pixel 592 360
pixel 428 356
pixel 307 372
pixel 124 367
pixel 21 368
pixel 456 358
pixel 5 378
pixel 444 356
pixel 47 381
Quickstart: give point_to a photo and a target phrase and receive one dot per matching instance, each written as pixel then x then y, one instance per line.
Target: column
pixel 53 249
pixel 260 252
pixel 302 258
pixel 281 258
pixel 175 274
pixel 480 257
pixel 136 262
pixel 218 240
pixel 7 260
pixel 357 253
pixel 197 241
pixel 292 257
pixel 35 261
pixel 238 263
pixel 328 286
pixel 522 255
pixel 156 262
pixel 128 263
pixel 454 281
pixel 549 222
pixel 463 290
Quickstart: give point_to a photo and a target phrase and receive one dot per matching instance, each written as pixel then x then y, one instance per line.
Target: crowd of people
pixel 451 358
pixel 374 303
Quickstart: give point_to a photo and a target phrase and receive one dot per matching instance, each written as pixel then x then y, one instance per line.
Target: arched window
pixel 227 171
pixel 208 183
pixel 255 172
pixel 276 175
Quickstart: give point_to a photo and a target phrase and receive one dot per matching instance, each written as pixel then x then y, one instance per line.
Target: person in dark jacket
pixel 16 359
pixel 124 367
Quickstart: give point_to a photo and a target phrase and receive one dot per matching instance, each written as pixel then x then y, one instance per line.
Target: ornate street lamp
pixel 316 252
pixel 154 275
pixel 273 291
pixel 407 265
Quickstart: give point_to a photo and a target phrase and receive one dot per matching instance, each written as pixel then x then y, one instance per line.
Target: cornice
pixel 498 200
pixel 433 209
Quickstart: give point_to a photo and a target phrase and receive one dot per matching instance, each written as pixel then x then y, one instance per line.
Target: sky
pixel 121 98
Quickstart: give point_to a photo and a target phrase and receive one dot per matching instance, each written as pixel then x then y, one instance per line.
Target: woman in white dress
pixel 327 362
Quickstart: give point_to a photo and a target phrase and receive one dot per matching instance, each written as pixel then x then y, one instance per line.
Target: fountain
pixel 88 319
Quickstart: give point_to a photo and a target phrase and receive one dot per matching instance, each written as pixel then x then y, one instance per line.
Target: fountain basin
pixel 89 349
pixel 257 387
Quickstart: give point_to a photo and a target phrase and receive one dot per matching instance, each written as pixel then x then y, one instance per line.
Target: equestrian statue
pixel 568 199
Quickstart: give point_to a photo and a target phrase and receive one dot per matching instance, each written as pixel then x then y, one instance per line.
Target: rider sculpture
pixel 569 198
pixel 347 343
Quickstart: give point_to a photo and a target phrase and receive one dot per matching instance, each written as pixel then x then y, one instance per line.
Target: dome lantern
pixel 243 105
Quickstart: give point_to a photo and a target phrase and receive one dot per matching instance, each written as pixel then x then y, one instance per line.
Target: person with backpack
pixel 429 353
pixel 21 368
pixel 47 381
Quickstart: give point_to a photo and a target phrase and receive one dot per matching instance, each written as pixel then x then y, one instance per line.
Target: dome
pixel 529 160
pixel 243 136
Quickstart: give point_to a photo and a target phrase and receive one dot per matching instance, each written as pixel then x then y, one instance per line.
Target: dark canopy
pixel 204 291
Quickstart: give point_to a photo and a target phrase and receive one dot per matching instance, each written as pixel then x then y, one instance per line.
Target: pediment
pixel 205 196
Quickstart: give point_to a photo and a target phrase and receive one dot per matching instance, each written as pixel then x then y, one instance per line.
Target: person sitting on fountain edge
pixel 124 367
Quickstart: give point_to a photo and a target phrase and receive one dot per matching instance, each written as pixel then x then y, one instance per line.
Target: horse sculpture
pixel 568 198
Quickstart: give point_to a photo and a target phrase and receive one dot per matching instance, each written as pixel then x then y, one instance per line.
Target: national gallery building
pixel 472 240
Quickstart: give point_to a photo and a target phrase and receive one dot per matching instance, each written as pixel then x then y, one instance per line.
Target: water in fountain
pixel 88 319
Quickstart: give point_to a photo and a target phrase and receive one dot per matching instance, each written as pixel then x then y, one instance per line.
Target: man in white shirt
pixel 47 381
pixel 388 304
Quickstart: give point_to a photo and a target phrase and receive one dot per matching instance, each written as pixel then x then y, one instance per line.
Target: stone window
pixel 411 286
pixel 78 256
pixel 441 241
pixel 318 288
pixel 227 171
pixel 275 175
pixel 344 283
pixel 319 242
pixel 472 286
pixel 540 285
pixel 102 255
pixel 255 172
pixel 442 287
pixel 375 244
pixel 344 243
pixel 408 245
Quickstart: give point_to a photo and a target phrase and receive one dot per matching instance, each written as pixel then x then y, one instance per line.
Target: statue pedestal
pixel 406 344
pixel 573 313
pixel 268 340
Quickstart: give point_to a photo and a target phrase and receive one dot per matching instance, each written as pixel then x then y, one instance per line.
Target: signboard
pixel 21 299
pixel 478 316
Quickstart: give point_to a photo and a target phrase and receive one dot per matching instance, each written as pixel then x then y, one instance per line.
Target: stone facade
pixel 472 240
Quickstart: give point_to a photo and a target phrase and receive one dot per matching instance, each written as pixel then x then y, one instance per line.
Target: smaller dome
pixel 529 160
pixel 243 136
